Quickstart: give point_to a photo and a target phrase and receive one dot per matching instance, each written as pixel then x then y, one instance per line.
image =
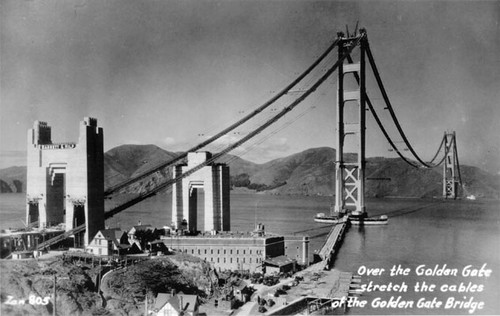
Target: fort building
pixel 216 244
pixel 65 181
pixel 230 250
pixel 240 250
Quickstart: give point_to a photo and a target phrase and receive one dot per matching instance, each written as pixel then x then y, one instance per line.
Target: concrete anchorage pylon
pixel 350 175
pixel 214 180
pixel 65 181
pixel 450 182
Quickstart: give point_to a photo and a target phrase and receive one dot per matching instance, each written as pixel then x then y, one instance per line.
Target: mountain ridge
pixel 310 172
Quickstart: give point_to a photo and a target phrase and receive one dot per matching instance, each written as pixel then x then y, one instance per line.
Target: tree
pixel 145 236
pixel 241 180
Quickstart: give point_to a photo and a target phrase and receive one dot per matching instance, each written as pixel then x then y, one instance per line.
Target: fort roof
pixel 226 235
pixel 279 261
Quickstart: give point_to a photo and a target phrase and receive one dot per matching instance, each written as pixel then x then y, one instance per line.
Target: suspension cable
pixel 389 107
pixel 283 92
pixel 379 122
pixel 456 157
pixel 437 152
pixel 241 141
pixel 289 107
pixel 444 157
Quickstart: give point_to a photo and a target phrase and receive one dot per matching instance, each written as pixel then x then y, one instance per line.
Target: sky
pixel 172 73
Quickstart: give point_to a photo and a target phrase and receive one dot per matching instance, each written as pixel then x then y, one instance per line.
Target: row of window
pixel 225 251
pixel 99 251
pixel 99 240
pixel 257 260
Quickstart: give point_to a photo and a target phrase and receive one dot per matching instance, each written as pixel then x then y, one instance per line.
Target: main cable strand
pixel 284 91
pixel 389 107
pixel 238 143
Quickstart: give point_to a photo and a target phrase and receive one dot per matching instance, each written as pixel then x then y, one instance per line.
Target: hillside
pixel 404 179
pixel 122 292
pixel 126 161
pixel 13 180
pixel 310 172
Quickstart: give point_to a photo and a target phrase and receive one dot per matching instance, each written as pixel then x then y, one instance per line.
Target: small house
pixel 158 247
pixel 280 264
pixel 176 305
pixel 108 242
pixel 242 292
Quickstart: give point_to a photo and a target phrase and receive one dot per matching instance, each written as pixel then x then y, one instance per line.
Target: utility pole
pixel 54 309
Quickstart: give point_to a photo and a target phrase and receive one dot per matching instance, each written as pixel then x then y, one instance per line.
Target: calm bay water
pixel 420 232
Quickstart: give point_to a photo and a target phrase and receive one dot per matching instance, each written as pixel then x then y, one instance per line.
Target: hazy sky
pixel 172 72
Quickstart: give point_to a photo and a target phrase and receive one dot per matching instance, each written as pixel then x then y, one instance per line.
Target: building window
pixel 230 260
pixel 237 259
pixel 205 251
pixel 224 251
pixel 199 252
pixel 243 260
pixel 211 251
pixel 218 251
pixel 250 260
pixel 231 251
pixel 237 252
pixel 250 251
pixel 192 251
pixel 224 260
pixel 218 260
pixel 243 251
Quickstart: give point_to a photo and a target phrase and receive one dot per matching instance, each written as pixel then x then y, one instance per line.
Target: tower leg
pixel 349 175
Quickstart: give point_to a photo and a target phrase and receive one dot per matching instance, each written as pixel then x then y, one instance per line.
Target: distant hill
pixel 126 161
pixel 13 179
pixel 310 172
pixel 307 172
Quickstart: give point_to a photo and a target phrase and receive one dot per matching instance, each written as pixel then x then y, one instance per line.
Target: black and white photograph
pixel 249 157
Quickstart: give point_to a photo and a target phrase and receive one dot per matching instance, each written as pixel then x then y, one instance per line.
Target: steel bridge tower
pixel 450 167
pixel 350 173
